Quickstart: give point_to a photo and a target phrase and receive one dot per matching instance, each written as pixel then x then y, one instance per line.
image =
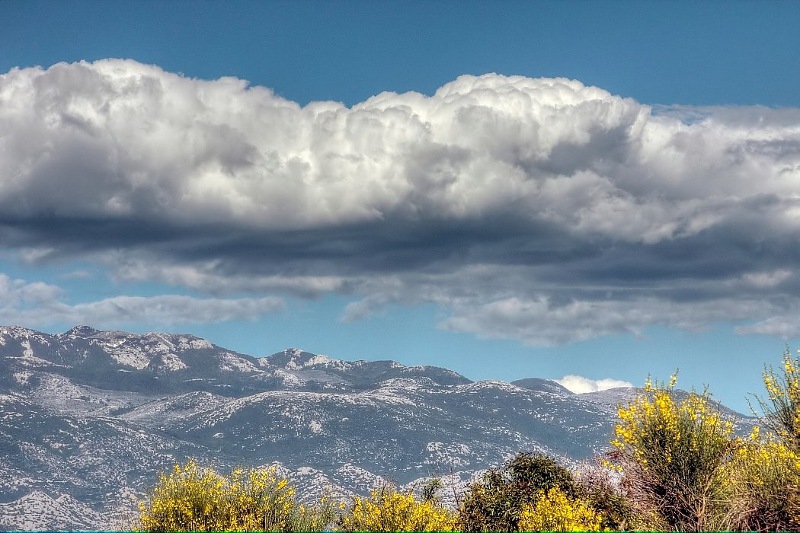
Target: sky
pixel 583 191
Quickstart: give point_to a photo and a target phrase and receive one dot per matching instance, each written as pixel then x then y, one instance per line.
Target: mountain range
pixel 88 419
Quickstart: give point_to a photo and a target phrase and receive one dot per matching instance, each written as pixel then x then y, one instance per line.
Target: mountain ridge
pixel 89 418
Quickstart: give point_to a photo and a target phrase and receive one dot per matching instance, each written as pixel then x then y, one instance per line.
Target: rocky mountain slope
pixel 89 418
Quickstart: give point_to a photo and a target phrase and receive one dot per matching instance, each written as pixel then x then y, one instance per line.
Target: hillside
pixel 89 418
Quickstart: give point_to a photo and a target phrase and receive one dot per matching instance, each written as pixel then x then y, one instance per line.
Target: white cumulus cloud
pixel 129 140
pixel 537 209
pixel 581 385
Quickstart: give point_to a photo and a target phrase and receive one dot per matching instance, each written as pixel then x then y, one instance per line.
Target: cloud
pixel 581 385
pixel 784 327
pixel 40 303
pixel 551 320
pixel 536 209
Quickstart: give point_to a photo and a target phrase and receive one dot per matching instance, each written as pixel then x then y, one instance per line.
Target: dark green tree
pixel 495 502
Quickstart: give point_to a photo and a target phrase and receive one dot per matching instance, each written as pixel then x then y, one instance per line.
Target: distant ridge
pixel 543 385
pixel 89 419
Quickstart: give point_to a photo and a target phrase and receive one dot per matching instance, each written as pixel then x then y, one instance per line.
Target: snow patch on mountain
pixel 127 354
pixel 231 362
pixel 185 343
pixel 22 378
pixel 37 511
pixel 171 362
pixel 358 479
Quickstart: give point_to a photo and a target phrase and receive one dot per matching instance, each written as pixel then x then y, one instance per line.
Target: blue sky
pixel 508 189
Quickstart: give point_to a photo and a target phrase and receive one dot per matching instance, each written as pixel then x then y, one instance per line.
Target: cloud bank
pixel 536 209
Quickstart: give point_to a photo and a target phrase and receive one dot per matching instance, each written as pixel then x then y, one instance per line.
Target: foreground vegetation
pixel 675 464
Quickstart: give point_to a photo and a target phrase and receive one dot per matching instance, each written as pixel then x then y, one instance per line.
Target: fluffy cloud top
pixel 538 209
pixel 582 385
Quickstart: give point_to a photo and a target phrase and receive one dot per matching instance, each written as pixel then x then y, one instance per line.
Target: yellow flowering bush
pixel 555 511
pixel 191 498
pixel 188 499
pixel 764 486
pixel 782 407
pixel 389 510
pixel 670 452
pixel 259 500
pixel 765 473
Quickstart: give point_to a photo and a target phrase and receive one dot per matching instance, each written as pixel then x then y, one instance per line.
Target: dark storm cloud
pixel 537 209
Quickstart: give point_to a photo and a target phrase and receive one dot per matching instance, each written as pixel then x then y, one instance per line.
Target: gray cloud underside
pixel 43 303
pixel 537 209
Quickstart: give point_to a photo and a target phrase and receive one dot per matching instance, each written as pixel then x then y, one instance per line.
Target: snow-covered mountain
pixel 89 418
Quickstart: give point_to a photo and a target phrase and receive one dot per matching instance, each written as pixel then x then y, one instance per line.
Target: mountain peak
pixel 297 359
pixel 81 330
pixel 16 332
pixel 544 385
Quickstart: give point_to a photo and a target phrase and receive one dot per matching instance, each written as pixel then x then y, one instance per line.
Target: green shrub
pixel 495 503
pixel 597 488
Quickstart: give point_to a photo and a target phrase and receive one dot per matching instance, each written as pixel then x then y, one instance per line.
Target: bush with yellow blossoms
pixel 389 510
pixel 764 490
pixel 555 511
pixel 191 498
pixel 781 409
pixel 187 499
pixel 671 452
pixel 765 472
